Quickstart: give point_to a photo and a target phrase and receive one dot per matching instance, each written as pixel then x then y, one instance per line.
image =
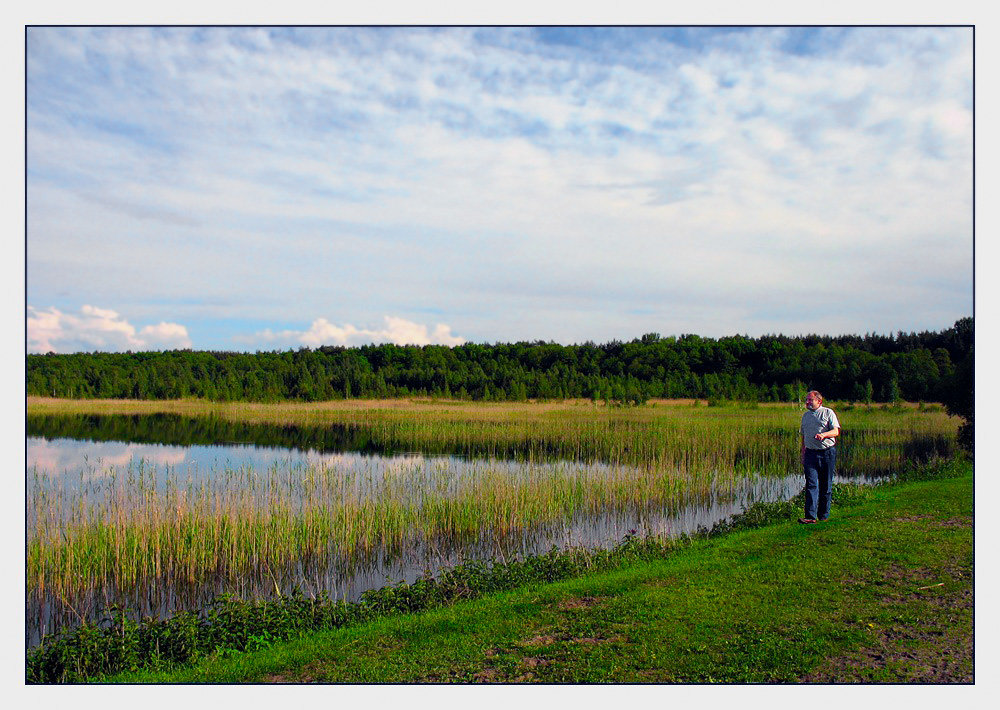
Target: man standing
pixel 819 430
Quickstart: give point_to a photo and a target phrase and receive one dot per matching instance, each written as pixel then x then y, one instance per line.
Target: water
pixel 96 468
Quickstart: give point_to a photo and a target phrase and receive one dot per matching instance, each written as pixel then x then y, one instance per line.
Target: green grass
pixel 881 593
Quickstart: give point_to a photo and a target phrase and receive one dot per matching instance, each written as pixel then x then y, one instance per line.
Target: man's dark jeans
pixel 820 467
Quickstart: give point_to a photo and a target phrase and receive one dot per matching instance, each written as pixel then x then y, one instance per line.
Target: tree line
pixel 863 368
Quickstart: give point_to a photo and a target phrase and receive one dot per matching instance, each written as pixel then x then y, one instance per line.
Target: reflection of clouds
pixel 403 464
pixel 330 459
pixel 368 472
pixel 59 456
pixel 263 458
pixel 161 455
pixel 68 456
pixel 390 464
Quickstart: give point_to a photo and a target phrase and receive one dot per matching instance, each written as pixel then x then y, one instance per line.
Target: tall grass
pixel 666 433
pixel 119 529
pixel 110 531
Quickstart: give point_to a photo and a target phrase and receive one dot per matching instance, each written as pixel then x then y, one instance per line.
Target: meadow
pixel 116 533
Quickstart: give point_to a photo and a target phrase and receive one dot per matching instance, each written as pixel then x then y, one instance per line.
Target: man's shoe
pixel 807 520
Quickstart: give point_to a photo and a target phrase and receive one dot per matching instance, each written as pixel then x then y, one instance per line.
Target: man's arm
pixel 833 433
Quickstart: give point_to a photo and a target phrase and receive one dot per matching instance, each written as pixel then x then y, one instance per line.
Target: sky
pixel 269 188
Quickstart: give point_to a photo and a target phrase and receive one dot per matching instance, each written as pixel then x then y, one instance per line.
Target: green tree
pixel 960 400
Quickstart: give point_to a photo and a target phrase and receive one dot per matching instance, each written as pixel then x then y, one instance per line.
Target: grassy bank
pixel 883 592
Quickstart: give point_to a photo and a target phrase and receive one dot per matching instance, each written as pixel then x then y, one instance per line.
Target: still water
pixel 92 467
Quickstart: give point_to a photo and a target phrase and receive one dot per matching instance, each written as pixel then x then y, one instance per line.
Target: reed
pixel 118 528
pixel 668 433
pixel 125 529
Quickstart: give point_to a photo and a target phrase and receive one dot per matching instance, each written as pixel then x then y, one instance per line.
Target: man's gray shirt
pixel 816 421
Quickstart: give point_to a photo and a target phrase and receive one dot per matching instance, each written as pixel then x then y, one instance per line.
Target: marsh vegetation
pixel 434 483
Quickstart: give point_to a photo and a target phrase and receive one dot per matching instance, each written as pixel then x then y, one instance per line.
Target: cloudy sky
pixel 260 189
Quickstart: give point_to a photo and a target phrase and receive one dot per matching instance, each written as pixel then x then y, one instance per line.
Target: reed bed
pixel 667 433
pixel 121 529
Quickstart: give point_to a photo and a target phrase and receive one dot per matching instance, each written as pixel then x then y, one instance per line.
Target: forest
pixel 862 368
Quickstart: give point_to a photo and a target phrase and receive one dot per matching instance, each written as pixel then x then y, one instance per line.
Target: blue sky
pixel 259 189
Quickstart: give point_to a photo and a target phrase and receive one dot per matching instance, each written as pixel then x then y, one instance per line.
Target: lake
pixel 116 468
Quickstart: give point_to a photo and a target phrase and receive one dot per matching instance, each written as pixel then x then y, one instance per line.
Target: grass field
pixel 882 593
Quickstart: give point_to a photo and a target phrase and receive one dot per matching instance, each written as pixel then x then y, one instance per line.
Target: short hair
pixel 816 394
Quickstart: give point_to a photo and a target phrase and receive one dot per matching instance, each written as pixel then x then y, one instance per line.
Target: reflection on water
pixel 175 429
pixel 96 469
pixel 71 457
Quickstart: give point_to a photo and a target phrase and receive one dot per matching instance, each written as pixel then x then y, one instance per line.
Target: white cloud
pixel 199 166
pixel 98 329
pixel 397 330
pixel 165 336
pixel 700 79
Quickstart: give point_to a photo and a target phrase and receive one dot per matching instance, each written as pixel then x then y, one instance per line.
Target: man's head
pixel 813 400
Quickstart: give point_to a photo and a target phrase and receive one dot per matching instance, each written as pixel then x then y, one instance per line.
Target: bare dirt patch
pixel 656 675
pixel 487 675
pixel 540 640
pixel 929 651
pixel 536 662
pixel 959 522
pixel 941 656
pixel 306 675
pixel 965 522
pixel 907 585
pixel 579 603
pixel 597 639
pixel 959 600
